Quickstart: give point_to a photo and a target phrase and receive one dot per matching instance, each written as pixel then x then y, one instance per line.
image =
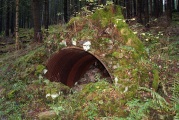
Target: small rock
pixel 47 115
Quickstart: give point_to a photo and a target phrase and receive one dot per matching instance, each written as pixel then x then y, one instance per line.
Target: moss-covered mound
pixel 106 35
pixel 111 40
pixel 100 99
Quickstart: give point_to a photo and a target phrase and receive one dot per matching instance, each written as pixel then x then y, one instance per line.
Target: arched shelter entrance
pixel 70 64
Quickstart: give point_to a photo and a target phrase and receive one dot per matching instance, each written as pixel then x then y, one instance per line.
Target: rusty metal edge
pixel 98 58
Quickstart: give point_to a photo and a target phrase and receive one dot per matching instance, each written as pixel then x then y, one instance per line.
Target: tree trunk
pixel 169 11
pixel 99 2
pixel 76 6
pixel 156 8
pixel 36 4
pixel 146 6
pixel 139 11
pixel 7 18
pixel 173 4
pixel 1 15
pixel 135 12
pixel 161 7
pixel 104 2
pixel 80 4
pixel 124 3
pixel 17 25
pixel 151 8
pixel 46 15
pixel 66 10
pixel 12 18
pixel 128 7
pixel 56 11
pixel 61 11
pixel 178 6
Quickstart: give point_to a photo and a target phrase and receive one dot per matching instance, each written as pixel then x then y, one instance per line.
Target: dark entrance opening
pixel 70 64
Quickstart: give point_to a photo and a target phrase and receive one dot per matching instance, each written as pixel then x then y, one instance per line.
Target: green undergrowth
pixel 128 60
pixel 25 34
pixel 102 100
pixel 162 46
pixel 145 84
pixel 21 89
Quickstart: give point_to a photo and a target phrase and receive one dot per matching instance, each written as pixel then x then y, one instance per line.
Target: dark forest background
pixel 37 13
pixel 143 54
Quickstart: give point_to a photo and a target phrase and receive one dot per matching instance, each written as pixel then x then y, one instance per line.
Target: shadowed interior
pixel 69 65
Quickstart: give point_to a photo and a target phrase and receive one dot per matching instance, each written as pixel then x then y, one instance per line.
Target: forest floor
pixel 24 90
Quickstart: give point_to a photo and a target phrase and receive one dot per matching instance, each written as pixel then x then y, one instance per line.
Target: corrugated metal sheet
pixel 69 64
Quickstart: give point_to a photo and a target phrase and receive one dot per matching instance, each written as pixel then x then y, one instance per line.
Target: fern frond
pixel 176 117
pixel 175 96
pixel 175 88
pixel 157 99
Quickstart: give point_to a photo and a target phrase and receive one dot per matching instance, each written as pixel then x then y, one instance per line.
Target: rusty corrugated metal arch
pixel 70 64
